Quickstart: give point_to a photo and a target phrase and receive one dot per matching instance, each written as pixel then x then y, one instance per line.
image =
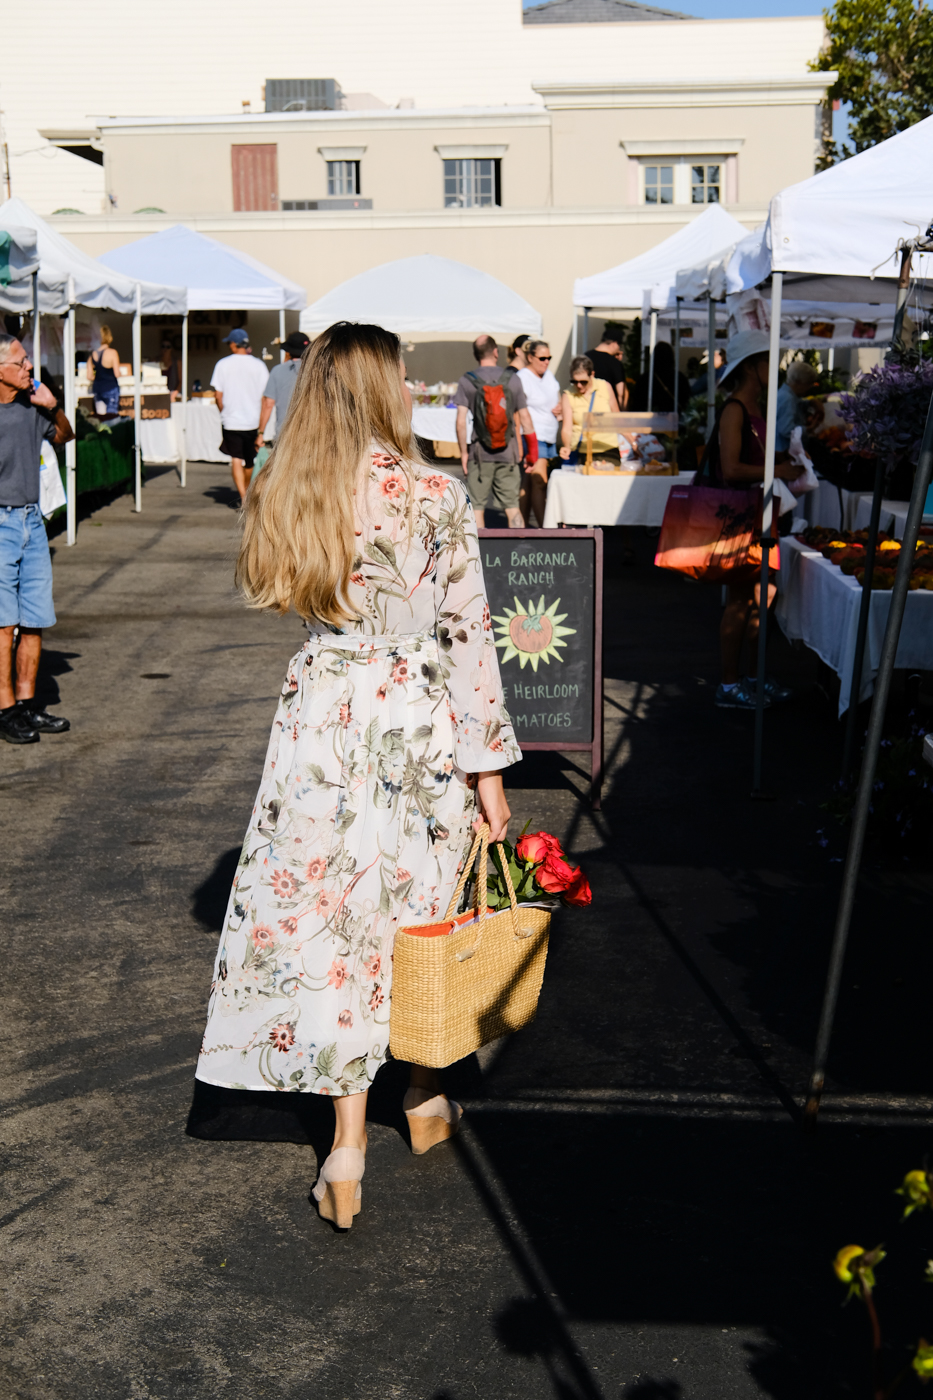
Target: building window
pixel 472 184
pixel 685 180
pixel 704 184
pixel 659 184
pixel 343 177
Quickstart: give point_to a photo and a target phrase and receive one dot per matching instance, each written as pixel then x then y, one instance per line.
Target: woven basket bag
pixel 456 991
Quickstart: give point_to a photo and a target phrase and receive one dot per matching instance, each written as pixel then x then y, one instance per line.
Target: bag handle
pixel 481 843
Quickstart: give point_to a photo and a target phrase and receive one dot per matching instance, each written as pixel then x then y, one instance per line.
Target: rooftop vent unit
pixel 302 95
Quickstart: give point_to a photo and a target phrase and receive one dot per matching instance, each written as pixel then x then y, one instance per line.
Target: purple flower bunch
pixel 886 413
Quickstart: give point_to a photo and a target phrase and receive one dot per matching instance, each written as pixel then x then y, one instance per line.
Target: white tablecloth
pixel 892 519
pixel 438 424
pixel 574 499
pixel 821 507
pixel 818 604
pixel 160 438
pixel 202 430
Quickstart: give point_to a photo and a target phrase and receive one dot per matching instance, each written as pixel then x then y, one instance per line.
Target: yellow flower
pixel 923 1361
pixel 856 1267
pixel 842 1261
pixel 916 1187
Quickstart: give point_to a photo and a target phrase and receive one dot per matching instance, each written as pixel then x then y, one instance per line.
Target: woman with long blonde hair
pixel 390 733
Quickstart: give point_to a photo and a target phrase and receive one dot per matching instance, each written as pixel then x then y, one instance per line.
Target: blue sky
pixel 735 9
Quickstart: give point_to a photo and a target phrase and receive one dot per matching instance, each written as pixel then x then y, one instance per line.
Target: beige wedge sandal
pixel 338 1192
pixel 431 1119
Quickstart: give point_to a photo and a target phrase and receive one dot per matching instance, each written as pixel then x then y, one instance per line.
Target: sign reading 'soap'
pixel 545 596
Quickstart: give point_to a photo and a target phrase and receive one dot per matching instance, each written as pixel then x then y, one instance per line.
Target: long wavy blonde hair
pixel 299 527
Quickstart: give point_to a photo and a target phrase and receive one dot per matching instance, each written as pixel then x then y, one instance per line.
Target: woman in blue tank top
pixel 101 372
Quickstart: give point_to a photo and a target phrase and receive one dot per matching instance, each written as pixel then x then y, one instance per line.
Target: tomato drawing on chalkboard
pixel 532 633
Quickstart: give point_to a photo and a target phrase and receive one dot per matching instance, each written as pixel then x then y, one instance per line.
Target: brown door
pixel 255 177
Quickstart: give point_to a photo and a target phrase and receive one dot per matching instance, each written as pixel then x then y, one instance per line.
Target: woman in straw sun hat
pixel 737 460
pixel 391 733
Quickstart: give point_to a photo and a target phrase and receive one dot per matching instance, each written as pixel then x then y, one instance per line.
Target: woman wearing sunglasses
pixel 587 394
pixel 542 393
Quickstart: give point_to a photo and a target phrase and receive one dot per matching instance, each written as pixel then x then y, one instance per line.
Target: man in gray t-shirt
pixel 281 384
pixel 29 416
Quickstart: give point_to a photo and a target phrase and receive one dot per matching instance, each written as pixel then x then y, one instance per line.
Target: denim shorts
pixel 25 569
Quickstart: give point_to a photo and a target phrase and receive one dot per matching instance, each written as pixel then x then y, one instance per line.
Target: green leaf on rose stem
pixel 524 829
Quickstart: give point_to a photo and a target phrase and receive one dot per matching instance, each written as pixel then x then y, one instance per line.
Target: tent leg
pixel 855 684
pixel 71 514
pixel 36 329
pixel 903 291
pixel 573 335
pixel 586 329
pixel 678 300
pixel 137 399
pixel 711 369
pixel 867 776
pixel 184 400
pixel 767 517
pixel 831 359
pixel 652 342
pixel 282 336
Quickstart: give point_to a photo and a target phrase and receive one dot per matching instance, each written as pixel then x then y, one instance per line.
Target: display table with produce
pixel 611 499
pixel 818 604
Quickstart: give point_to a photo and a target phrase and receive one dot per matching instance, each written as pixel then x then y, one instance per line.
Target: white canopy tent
pixel 845 223
pixel 425 295
pixel 217 278
pixel 65 277
pixel 646 283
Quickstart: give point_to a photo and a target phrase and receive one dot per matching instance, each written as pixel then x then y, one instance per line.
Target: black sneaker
pixel 41 720
pixel 16 728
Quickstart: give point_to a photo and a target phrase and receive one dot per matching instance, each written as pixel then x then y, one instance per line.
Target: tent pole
pixel 282 335
pixel 831 359
pixel 184 400
pixel 855 684
pixel 71 514
pixel 36 329
pixel 879 707
pixel 903 290
pixel 711 368
pixel 652 342
pixel 767 517
pixel 573 335
pixel 586 329
pixel 678 300
pixel 137 398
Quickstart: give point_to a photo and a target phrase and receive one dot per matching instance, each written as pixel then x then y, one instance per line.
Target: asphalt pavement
pixel 632 1211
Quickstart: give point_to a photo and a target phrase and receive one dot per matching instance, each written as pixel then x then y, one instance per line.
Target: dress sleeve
pixel 483 736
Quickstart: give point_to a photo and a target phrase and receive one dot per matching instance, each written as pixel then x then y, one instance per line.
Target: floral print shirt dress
pixel 363 814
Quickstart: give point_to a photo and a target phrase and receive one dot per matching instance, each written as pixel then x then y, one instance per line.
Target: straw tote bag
pixel 464 981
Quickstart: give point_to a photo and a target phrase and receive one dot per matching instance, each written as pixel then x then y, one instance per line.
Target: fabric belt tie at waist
pixel 333 641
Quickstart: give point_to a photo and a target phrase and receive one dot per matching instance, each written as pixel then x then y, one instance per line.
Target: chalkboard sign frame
pixel 595 746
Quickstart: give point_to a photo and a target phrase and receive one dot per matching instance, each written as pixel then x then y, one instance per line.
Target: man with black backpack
pixel 492 461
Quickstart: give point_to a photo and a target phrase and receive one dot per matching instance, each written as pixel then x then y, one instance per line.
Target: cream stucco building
pixel 539 146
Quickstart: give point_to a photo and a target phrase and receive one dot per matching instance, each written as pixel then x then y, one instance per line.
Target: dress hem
pixel 270 1089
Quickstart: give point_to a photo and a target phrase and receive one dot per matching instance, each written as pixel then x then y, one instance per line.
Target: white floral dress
pixel 363 814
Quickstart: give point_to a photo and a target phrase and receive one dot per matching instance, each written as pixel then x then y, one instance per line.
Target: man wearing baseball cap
pixel 282 380
pixel 238 382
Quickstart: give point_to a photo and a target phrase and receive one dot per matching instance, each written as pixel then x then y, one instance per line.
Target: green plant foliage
pixel 883 53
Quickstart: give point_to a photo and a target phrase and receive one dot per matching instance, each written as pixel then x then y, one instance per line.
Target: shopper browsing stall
pixel 587 394
pixel 238 383
pixel 102 369
pixel 735 458
pixel 542 393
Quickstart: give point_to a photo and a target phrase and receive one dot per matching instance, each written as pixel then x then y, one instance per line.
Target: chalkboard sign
pixel 545 590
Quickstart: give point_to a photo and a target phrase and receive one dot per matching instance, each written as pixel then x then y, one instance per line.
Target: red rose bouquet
pixel 540 871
